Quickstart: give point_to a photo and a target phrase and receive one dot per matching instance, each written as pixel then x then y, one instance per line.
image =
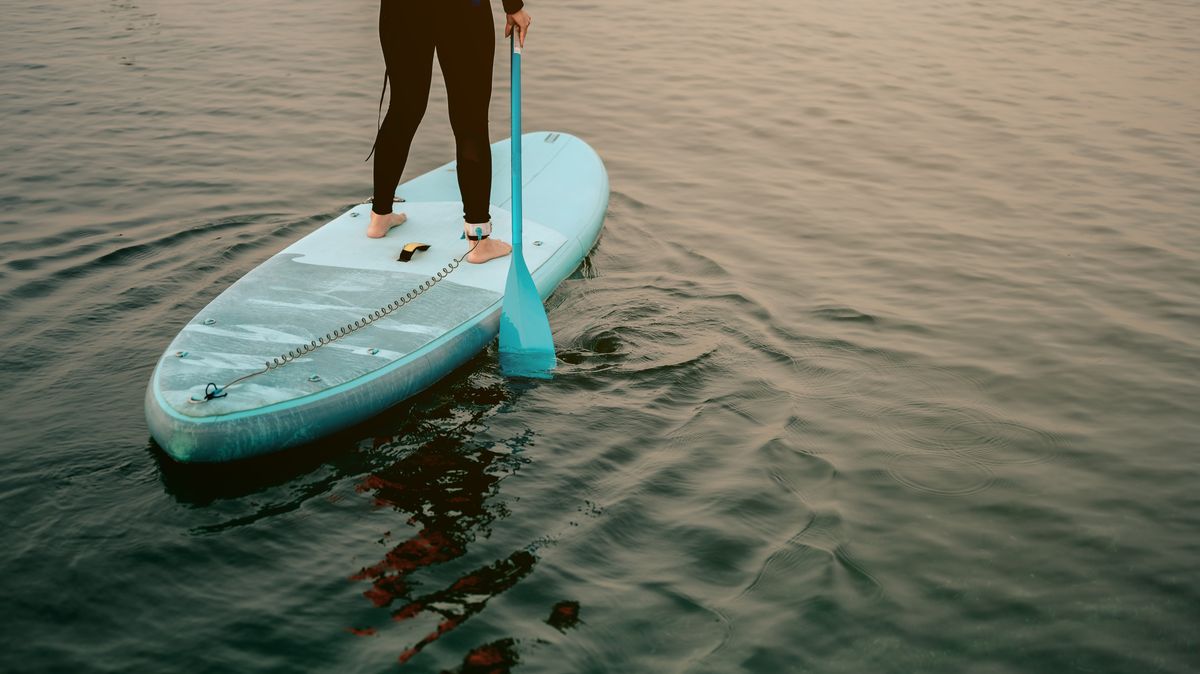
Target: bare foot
pixel 487 249
pixel 382 224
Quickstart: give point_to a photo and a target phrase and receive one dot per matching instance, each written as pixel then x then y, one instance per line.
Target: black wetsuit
pixel 462 33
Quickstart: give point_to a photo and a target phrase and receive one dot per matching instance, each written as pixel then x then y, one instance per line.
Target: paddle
pixel 526 346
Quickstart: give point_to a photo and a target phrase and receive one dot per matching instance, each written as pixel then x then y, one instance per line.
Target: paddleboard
pixel 335 276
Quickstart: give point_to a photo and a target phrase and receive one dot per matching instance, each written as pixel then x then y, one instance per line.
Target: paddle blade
pixel 526 345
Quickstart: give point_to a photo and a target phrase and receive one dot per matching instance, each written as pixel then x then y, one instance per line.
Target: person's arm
pixel 518 18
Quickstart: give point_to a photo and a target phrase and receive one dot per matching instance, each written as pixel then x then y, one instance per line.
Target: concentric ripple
pixel 943 475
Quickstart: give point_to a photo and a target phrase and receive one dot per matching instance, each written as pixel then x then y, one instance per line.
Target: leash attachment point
pixel 211 391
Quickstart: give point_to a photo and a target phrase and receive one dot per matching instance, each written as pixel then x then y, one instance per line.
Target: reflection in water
pixel 564 615
pixel 423 461
pixel 203 484
pixel 447 490
pixel 497 657
pixel 466 597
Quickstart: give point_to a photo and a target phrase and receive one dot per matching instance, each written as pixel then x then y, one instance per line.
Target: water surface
pixel 887 359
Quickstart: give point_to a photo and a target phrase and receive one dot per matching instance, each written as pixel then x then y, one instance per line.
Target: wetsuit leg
pixel 466 46
pixel 408 45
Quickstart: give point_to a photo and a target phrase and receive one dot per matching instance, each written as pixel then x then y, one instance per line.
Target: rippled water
pixel 886 361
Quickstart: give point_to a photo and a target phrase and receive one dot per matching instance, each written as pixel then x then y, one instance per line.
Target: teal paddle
pixel 526 345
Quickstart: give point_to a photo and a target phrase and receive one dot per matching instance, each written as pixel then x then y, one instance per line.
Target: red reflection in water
pixel 424 549
pixel 564 615
pixel 444 489
pixel 446 492
pixel 466 596
pixel 498 657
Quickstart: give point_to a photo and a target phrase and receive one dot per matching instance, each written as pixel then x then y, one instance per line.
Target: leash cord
pixel 212 391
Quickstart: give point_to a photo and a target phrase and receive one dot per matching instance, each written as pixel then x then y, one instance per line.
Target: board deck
pixel 334 276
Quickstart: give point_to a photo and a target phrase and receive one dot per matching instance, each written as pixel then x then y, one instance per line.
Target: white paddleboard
pixel 335 276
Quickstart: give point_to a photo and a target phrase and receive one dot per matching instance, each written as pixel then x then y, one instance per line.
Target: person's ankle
pixel 477 231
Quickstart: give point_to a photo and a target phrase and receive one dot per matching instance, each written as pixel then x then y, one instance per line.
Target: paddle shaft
pixel 526 343
pixel 517 242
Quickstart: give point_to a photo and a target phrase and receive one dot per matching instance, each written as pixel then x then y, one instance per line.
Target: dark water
pixel 887 360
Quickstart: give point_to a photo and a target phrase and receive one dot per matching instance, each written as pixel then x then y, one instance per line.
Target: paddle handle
pixel 516 145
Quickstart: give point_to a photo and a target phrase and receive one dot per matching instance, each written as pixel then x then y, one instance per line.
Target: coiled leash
pixel 212 390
